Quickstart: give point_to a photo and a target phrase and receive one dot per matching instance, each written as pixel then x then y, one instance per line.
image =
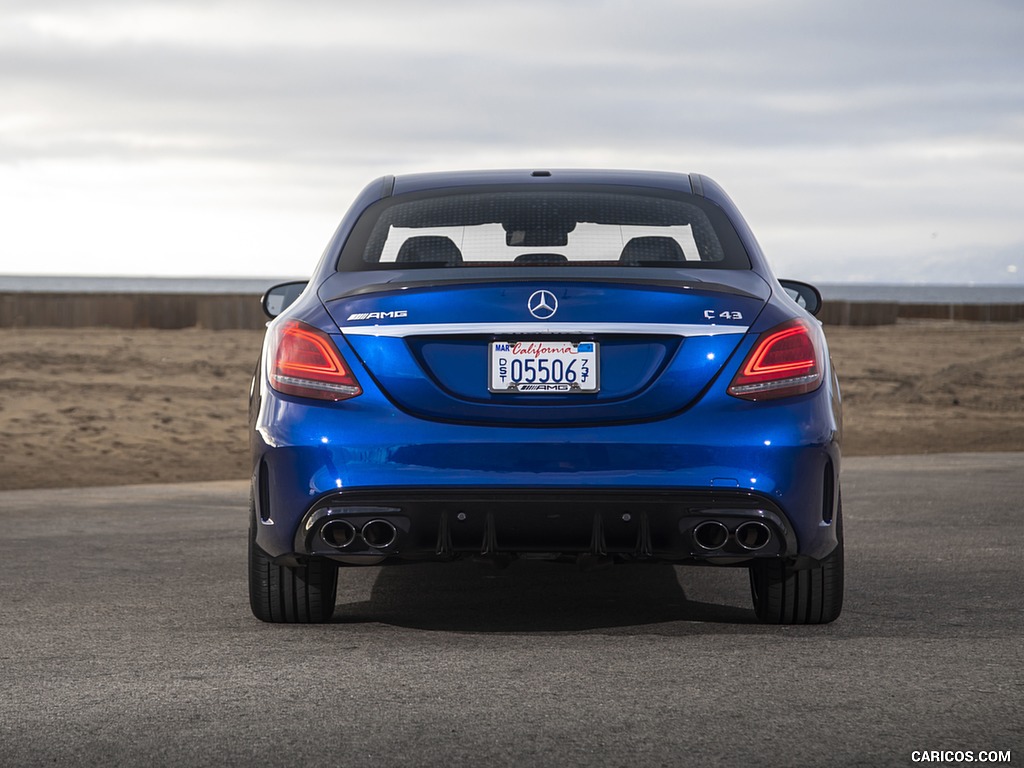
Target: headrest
pixel 429 248
pixel 642 249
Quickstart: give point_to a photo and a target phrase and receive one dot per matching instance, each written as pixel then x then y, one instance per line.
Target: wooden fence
pixel 887 313
pixel 130 310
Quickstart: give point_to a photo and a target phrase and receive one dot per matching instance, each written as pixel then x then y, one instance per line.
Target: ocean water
pixel 911 293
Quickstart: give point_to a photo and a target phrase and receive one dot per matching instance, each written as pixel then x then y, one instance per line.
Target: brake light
pixel 305 362
pixel 785 361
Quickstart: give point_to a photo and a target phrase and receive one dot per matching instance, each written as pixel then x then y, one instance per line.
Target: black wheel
pixel 290 595
pixel 809 596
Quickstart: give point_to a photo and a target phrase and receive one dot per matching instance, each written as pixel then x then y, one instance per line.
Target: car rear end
pixel 572 366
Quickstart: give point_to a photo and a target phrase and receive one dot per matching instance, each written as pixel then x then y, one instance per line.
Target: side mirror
pixel 804 294
pixel 278 298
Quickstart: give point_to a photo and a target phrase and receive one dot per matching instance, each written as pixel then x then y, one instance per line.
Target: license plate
pixel 543 367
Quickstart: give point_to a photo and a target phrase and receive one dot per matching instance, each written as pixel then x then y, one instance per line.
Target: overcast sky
pixel 870 140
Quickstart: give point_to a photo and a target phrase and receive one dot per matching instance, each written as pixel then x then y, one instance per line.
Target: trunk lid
pixel 654 345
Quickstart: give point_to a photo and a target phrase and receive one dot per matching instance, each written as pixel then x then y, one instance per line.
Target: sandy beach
pixel 97 406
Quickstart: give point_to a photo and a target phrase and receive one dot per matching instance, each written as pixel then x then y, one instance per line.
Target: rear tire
pixel 282 594
pixel 809 596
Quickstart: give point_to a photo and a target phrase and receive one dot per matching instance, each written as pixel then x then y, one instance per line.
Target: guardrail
pixel 242 311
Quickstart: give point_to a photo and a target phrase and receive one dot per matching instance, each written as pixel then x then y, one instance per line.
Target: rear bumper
pixel 444 523
pixel 535 489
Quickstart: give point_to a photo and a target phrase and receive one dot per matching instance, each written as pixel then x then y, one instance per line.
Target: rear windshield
pixel 543 227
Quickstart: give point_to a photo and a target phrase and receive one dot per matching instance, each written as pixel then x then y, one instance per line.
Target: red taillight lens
pixel 304 361
pixel 785 361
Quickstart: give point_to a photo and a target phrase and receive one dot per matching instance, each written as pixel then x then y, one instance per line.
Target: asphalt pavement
pixel 126 639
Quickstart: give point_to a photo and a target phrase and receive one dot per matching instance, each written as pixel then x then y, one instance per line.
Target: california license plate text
pixel 543 366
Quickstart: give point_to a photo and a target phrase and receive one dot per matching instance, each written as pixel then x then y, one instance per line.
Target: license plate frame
pixel 543 367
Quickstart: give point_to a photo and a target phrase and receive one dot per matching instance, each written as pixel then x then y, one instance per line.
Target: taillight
pixel 304 361
pixel 785 361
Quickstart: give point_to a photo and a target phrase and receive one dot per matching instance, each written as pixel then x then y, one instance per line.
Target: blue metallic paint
pixel 683 432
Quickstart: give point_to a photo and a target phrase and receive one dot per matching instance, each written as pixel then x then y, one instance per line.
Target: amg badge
pixel 378 315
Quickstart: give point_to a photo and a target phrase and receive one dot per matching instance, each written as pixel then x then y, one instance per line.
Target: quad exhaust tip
pixel 379 534
pixel 710 535
pixel 339 534
pixel 751 535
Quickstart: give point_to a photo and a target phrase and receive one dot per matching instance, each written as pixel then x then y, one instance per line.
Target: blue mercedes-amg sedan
pixel 587 366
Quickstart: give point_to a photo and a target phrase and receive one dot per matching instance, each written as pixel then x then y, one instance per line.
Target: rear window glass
pixel 543 227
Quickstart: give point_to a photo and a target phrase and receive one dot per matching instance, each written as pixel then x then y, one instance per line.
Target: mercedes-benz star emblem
pixel 542 304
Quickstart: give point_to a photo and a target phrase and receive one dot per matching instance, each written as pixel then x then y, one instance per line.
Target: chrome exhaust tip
pixel 338 533
pixel 710 535
pixel 753 535
pixel 379 534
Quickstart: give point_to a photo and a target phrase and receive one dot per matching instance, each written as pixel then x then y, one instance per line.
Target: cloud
pixel 843 113
pixel 248 77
